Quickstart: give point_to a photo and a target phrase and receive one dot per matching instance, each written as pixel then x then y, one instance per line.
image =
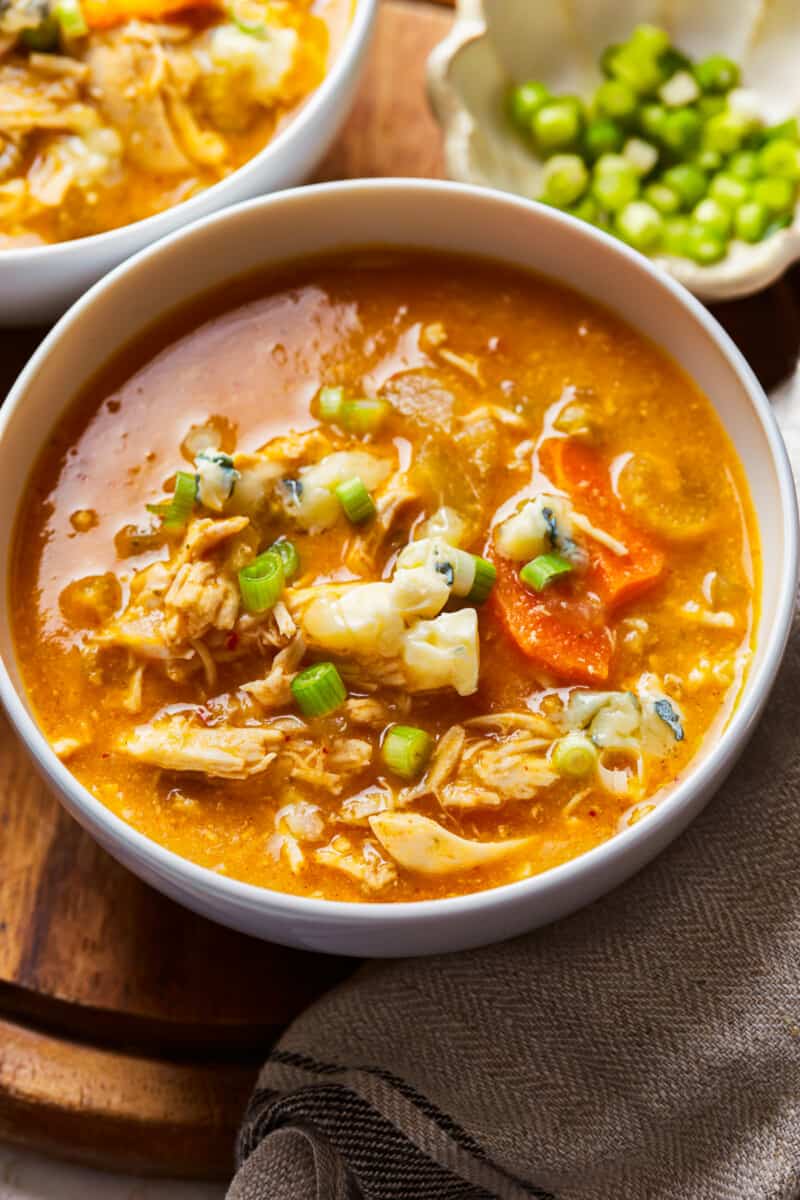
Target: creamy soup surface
pixel 510 536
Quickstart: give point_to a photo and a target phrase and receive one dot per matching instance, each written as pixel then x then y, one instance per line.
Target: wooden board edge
pixel 117 1111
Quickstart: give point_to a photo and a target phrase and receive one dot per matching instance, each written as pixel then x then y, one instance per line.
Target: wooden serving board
pixel 131 1030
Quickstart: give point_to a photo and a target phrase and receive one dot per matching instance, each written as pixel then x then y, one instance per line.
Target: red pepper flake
pixel 232 640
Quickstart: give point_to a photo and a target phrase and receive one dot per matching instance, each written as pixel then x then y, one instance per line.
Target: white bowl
pixel 38 283
pixel 444 217
pixel 494 43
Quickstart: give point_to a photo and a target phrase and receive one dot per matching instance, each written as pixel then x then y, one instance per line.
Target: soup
pixel 113 110
pixel 386 577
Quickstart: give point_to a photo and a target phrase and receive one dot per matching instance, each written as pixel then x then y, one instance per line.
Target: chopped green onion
pixel 743 165
pixel 585 210
pixel 557 125
pixel 602 136
pixel 176 513
pixel 778 223
pixel 262 581
pixel 287 551
pixel 641 155
pixel 709 106
pixel 524 101
pixel 777 195
pixel 713 216
pixel 638 68
pixel 663 198
pixel 650 40
pixel 253 29
pixel 331 400
pixel 69 15
pixel 616 100
pixel 674 239
pixel 688 181
pixel 652 120
pixel 640 225
pixel 318 690
pixel 43 36
pixel 607 60
pixel 363 417
pixel 781 158
pixel 406 750
pixel 543 569
pixel 728 190
pixel 703 246
pixel 682 129
pixel 716 73
pixel 681 88
pixel 356 501
pixel 787 129
pixel 726 132
pixel 708 160
pixel 750 221
pixel 564 179
pixel 482 584
pixel 574 755
pixel 614 183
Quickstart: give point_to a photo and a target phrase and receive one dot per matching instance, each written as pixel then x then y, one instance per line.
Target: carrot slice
pixel 102 14
pixel 581 471
pixel 551 627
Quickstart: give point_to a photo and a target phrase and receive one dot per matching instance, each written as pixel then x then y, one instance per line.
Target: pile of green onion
pixel 667 154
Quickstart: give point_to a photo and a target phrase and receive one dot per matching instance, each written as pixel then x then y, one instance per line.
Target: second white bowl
pixel 38 283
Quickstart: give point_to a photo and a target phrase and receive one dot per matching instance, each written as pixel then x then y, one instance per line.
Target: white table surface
pixel 27 1176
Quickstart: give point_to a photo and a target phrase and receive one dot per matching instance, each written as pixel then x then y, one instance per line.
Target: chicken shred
pixel 179 744
pixel 368 867
pixel 420 844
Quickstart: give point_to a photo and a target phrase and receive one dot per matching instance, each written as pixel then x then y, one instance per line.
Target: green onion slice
pixel 255 30
pixel 542 570
pixel 176 513
pixel 330 402
pixel 406 750
pixel 41 37
pixel 574 755
pixel 482 584
pixel 261 582
pixel 318 690
pixel 362 417
pixel 69 15
pixel 288 556
pixel 356 501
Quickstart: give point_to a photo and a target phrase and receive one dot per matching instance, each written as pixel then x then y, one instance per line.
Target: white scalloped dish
pixel 494 43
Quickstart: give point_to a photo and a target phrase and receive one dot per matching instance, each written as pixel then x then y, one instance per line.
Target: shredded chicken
pixel 368 867
pixel 197 600
pixel 177 743
pixel 175 603
pixel 420 844
pixel 511 768
pixel 357 809
pixel 364 549
pixel 368 711
pixel 132 700
pixel 274 689
pixel 320 765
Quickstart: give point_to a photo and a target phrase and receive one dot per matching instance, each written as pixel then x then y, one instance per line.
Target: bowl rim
pixel 149 229
pixel 164 864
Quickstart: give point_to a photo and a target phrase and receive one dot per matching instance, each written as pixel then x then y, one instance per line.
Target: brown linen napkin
pixel 647 1048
